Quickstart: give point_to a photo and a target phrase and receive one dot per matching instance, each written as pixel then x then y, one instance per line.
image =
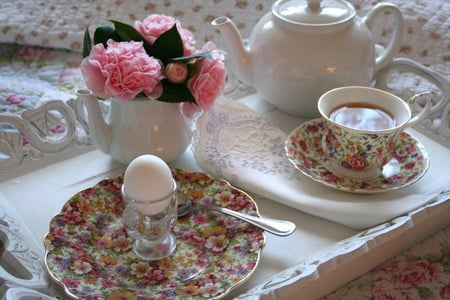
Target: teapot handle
pixel 385 56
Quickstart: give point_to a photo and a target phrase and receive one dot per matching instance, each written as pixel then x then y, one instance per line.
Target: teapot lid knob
pixel 314 5
pixel 314 12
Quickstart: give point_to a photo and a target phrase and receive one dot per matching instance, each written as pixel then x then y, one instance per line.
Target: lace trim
pixel 232 135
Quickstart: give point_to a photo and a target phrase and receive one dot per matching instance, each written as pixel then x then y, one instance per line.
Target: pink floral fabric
pixel 421 272
pixel 30 75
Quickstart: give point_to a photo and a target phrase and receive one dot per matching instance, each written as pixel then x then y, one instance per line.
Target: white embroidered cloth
pixel 235 143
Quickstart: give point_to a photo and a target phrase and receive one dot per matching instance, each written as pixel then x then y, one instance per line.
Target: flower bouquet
pixel 155 58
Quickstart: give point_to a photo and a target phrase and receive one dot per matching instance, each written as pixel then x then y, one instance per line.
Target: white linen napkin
pixel 237 144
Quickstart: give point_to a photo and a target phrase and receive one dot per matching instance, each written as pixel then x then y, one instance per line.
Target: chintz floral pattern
pixel 305 152
pixel 357 151
pixel 90 253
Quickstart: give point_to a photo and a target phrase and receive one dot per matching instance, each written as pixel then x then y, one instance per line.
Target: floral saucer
pixel 304 150
pixel 89 253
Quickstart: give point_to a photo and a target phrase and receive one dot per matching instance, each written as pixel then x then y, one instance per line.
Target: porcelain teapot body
pixel 302 49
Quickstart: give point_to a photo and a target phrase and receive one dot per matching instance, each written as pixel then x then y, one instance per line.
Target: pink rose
pixel 317 144
pixel 355 162
pixel 303 145
pixel 15 99
pixel 209 79
pixel 71 283
pixel 313 128
pixel 420 272
pixel 122 70
pixel 445 293
pixel 176 72
pixel 37 52
pixel 388 289
pixel 332 141
pixel 155 25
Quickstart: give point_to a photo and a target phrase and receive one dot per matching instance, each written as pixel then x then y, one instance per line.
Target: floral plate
pixel 304 150
pixel 89 253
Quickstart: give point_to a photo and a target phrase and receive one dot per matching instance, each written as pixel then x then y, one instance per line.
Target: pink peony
pixel 122 70
pixel 92 67
pixel 155 25
pixel 209 78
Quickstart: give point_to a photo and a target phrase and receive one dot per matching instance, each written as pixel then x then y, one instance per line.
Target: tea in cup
pixel 361 127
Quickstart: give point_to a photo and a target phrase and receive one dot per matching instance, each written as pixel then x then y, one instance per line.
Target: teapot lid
pixel 314 12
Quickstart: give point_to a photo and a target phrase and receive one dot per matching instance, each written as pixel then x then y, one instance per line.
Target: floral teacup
pixel 361 127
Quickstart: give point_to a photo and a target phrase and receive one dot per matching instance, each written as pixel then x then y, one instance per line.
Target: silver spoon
pixel 274 226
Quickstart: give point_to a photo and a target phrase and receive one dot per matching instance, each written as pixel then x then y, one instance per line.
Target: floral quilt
pixel 50 35
pixel 421 272
pixel 41 41
pixel 30 75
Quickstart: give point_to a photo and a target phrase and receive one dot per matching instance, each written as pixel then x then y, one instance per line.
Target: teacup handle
pixel 424 111
pixel 384 56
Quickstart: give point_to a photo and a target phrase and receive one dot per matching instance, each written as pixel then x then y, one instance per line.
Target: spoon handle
pixel 277 227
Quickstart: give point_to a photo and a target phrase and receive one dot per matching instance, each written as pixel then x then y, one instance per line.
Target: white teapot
pixel 303 48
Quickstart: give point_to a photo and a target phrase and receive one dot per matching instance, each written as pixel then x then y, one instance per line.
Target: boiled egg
pixel 147 180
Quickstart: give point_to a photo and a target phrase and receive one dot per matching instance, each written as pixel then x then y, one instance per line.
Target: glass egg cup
pixel 150 224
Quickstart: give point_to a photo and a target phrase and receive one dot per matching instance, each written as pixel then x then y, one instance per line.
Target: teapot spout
pixel 239 55
pixel 99 130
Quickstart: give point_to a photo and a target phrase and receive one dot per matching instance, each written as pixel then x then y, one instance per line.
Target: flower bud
pixel 176 72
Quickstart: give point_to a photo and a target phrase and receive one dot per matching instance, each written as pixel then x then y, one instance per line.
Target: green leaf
pixel 87 46
pixel 168 45
pixel 128 33
pixel 185 59
pixel 176 93
pixel 103 33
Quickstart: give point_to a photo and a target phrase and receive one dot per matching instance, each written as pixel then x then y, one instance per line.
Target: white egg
pixel 148 179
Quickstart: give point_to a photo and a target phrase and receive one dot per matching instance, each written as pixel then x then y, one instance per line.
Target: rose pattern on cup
pixel 304 150
pixel 356 151
pixel 358 142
